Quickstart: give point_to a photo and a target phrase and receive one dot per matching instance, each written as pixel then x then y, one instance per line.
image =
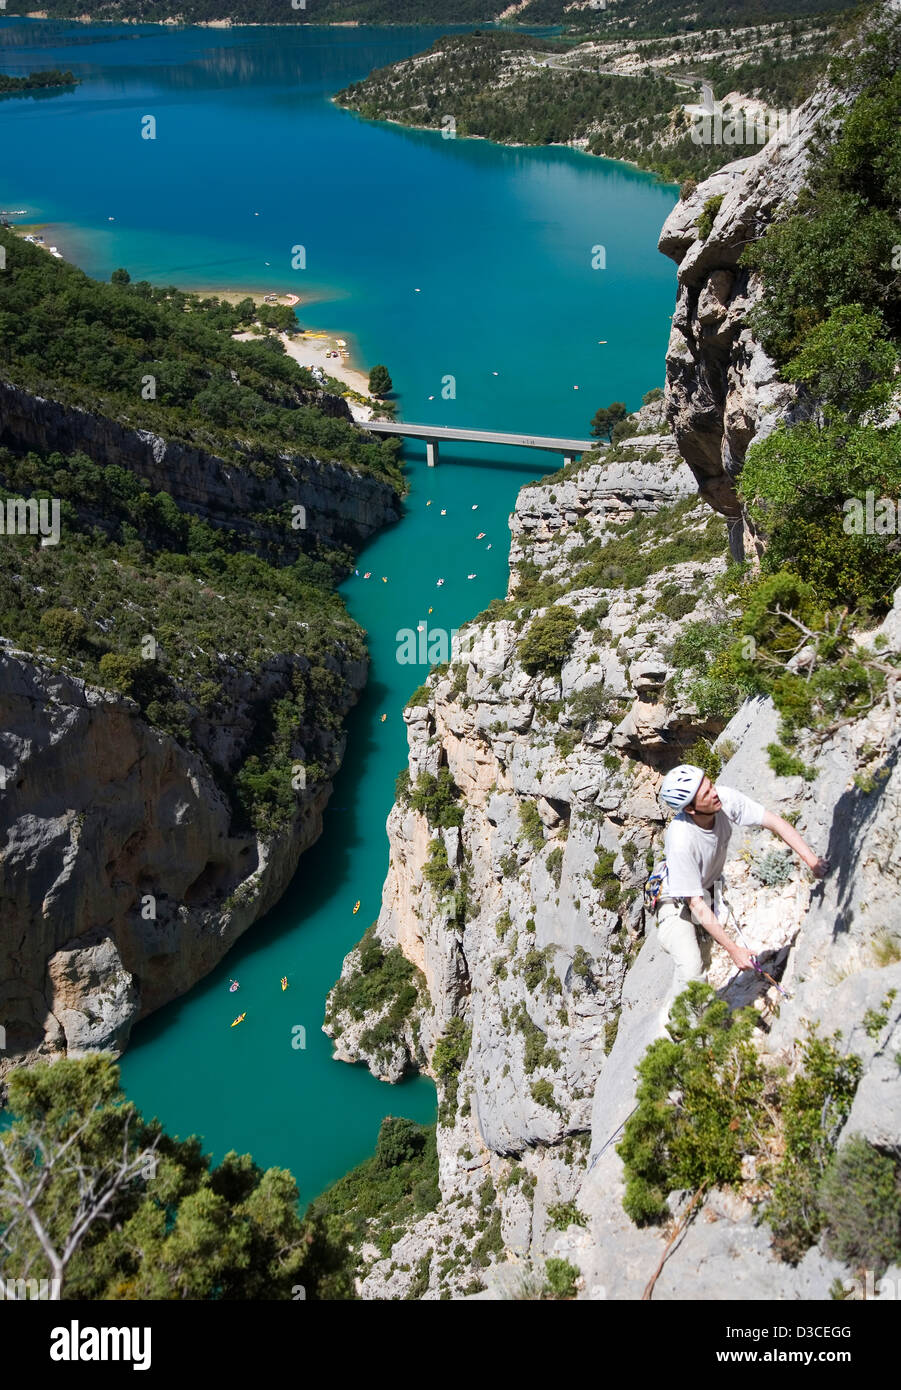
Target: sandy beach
pixel 319 352
pixel 49 233
pixel 323 352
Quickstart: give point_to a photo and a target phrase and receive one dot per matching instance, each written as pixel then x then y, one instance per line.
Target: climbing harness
pixel 653 887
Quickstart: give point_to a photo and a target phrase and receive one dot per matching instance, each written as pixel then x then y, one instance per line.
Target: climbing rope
pixel 754 959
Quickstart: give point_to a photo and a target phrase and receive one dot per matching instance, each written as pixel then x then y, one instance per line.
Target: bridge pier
pixel 431 452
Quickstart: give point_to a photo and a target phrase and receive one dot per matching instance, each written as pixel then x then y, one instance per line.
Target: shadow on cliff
pixel 854 812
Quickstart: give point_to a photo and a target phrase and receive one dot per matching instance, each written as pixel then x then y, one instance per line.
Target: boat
pixel 384 717
pixel 475 506
pixel 284 982
pixel 430 610
pixel 232 986
pixel 439 582
pixel 356 907
pixel 429 503
pixel 470 576
pixel 384 579
pixel 239 1019
pixel 444 511
pixel 368 574
pixel 480 536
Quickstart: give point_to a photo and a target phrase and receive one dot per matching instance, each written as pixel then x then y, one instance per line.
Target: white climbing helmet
pixel 680 785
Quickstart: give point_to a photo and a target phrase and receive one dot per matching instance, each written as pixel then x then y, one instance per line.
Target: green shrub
pixel 674 602
pixel 708 215
pixel 546 645
pixel 705 756
pixel 437 798
pixel 437 871
pixel 710 1062
pixel 450 1053
pixel 542 1092
pixel 786 764
pixel 532 824
pixel 605 880
pixel 847 363
pixel 402 787
pixel 588 705
pixel 63 628
pixel 801 486
pixel 815 1105
pixel 773 868
pixel 565 1214
pixel 860 1200
pixel 554 864
pixel 560 1278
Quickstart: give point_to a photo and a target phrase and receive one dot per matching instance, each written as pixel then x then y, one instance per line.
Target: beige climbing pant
pixel 689 944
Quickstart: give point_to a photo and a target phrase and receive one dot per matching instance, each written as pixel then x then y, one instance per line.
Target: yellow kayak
pixel 284 982
pixel 356 907
pixel 239 1019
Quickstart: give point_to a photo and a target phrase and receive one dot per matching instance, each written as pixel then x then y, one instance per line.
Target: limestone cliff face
pixel 122 878
pixel 552 969
pixel 723 390
pixel 532 941
pixel 123 882
pixel 343 505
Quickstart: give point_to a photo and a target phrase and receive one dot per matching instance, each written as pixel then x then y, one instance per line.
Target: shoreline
pixel 324 353
pixel 320 351
pixel 579 148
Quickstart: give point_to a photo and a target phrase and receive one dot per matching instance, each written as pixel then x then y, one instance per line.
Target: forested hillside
pixel 624 98
pixel 235 596
pixel 641 17
pixel 92 345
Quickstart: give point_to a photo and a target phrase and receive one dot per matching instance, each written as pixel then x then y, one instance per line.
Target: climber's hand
pixel 821 868
pixel 741 957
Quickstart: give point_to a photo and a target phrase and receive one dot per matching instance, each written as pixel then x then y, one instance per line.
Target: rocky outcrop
pixel 531 937
pixel 723 390
pixel 541 947
pixel 123 881
pixel 533 942
pixel 343 505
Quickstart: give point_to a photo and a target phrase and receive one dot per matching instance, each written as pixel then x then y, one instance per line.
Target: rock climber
pixel 695 847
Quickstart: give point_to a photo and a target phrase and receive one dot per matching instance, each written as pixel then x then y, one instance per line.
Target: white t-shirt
pixel 695 857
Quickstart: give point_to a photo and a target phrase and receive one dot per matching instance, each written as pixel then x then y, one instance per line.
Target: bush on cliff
pixel 546 645
pixel 837 247
pixel 860 1199
pixel 710 1064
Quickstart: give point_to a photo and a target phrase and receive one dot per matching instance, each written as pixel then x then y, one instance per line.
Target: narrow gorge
pixel 512 958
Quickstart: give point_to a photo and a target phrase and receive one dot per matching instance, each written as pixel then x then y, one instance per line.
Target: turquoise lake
pixel 441 258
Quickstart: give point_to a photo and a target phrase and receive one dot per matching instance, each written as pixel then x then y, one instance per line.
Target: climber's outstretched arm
pixel 709 921
pixel 817 866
